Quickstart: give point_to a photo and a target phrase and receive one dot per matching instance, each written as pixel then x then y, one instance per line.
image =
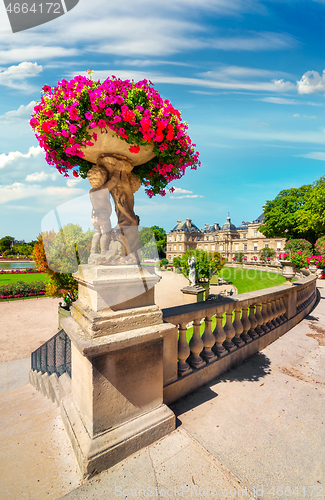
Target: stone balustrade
pixel 244 324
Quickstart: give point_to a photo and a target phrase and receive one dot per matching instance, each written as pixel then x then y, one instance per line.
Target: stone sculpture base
pixel 122 355
pixel 193 293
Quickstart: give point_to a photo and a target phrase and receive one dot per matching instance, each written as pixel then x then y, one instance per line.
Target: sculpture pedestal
pixel 121 359
pixel 193 293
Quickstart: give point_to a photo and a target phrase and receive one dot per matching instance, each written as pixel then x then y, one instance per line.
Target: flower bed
pixel 135 112
pixel 22 289
pixel 19 271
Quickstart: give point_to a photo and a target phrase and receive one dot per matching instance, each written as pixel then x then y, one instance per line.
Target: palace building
pixel 227 239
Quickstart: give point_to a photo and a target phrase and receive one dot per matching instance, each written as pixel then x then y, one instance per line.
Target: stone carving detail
pixel 112 175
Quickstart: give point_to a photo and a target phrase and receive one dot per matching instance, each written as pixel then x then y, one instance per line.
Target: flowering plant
pixel 22 289
pixel 318 260
pixel 298 258
pixel 135 112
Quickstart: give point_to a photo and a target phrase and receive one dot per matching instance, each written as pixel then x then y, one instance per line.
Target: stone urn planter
pixel 288 270
pixel 312 267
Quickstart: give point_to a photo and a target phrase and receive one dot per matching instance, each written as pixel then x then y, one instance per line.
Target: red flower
pixel 47 88
pixel 75 174
pixel 134 149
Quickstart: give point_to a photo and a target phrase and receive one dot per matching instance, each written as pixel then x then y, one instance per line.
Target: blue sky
pixel 247 75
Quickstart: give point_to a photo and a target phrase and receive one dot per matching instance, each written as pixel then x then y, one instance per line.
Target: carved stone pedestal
pixel 121 359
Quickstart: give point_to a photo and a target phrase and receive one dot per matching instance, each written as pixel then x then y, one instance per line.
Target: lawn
pixel 245 280
pixel 249 280
pixel 6 279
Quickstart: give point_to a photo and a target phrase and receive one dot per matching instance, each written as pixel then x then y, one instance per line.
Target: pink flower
pixel 73 129
pixel 65 133
pixel 101 123
pixel 92 125
pixel 88 115
pixel 73 114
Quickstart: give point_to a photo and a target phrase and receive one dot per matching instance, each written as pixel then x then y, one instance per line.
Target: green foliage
pixel 177 262
pixel 147 243
pixel 296 213
pixel 239 256
pixel 266 254
pixel 5 243
pixel 58 255
pixel 299 245
pixel 161 239
pixel 298 258
pixel 207 264
pixel 164 262
pixel 21 289
pixel 320 246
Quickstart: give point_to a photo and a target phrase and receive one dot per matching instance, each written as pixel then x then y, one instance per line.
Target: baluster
pixel 259 319
pixel 183 352
pixel 275 322
pixel 230 333
pixel 270 315
pixel 265 317
pixel 208 340
pixel 238 326
pixel 278 308
pixel 246 325
pixel 196 346
pixel 220 336
pixel 283 310
pixel 252 332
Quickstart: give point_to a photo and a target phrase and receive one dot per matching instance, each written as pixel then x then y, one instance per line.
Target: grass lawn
pixel 245 280
pixel 249 280
pixel 8 279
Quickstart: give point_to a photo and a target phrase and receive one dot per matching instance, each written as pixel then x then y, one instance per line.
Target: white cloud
pixel 273 86
pixel 40 177
pixel 315 156
pixel 5 159
pixel 18 191
pixel 182 191
pixel 186 196
pixel 311 82
pixel 296 115
pixel 255 42
pixel 71 183
pixel 279 100
pixel 21 112
pixel 15 76
pixel 32 52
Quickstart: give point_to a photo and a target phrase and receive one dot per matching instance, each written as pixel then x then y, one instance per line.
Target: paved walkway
pixel 258 431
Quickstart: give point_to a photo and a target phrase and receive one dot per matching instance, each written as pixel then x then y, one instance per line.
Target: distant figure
pixel 192 273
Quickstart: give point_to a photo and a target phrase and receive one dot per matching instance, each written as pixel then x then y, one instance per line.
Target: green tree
pixel 266 254
pixel 311 216
pixel 161 239
pixel 282 215
pixel 58 255
pixel 239 256
pixel 6 242
pixel 206 264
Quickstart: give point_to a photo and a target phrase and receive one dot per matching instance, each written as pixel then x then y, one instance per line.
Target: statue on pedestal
pixel 192 273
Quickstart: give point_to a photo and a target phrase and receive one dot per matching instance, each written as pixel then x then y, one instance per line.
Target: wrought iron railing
pixel 54 356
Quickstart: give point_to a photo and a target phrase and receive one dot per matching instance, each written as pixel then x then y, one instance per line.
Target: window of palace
pixel 206 247
pixel 175 247
pixel 170 248
pixel 193 239
pixel 255 233
pixel 175 238
pixel 278 245
pixel 236 248
pixel 180 248
pixel 188 238
pixel 198 238
pixel 255 247
pixel 187 247
pixel 245 248
pixel 220 248
pixel 244 236
pixel 170 238
pixel 266 245
pixel 212 248
pixel 180 238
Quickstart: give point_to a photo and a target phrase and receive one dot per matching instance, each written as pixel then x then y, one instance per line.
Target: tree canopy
pixel 296 213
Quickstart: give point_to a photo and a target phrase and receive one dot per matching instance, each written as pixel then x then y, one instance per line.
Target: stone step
pixel 36 457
